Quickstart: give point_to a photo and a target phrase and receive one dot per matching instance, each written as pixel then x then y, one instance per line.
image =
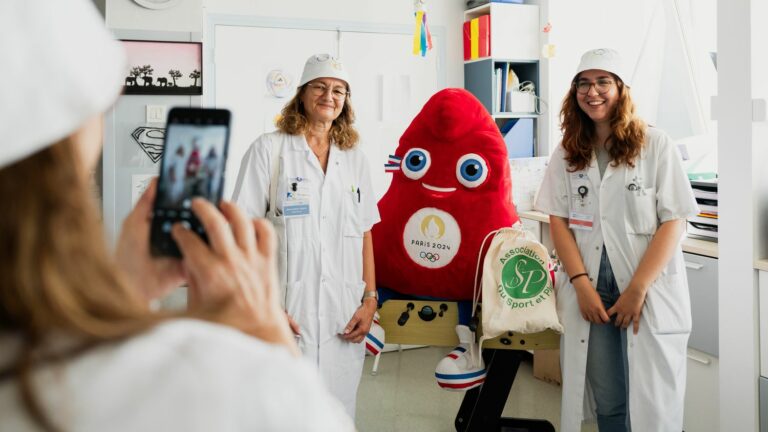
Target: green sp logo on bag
pixel 524 278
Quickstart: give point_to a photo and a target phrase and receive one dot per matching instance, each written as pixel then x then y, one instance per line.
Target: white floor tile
pixel 404 395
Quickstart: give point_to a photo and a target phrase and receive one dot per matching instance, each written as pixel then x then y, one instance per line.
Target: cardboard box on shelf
pixel 546 366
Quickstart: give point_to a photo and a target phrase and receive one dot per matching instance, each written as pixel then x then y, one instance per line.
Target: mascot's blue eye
pixel 471 170
pixel 416 163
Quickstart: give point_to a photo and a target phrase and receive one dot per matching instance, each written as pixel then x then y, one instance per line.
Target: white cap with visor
pixel 324 66
pixel 60 67
pixel 605 59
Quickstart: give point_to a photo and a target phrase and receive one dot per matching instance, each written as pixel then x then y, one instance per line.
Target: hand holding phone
pixel 153 277
pixel 194 157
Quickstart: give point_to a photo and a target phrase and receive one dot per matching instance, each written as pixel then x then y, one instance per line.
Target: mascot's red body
pixel 451 186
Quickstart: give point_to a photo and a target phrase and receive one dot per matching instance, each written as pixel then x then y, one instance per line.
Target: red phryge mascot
pixel 450 187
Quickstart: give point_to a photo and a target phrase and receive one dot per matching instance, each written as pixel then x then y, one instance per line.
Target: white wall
pixel 586 24
pixel 188 16
pixel 738 169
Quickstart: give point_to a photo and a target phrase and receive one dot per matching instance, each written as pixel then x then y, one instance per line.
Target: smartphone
pixel 194 157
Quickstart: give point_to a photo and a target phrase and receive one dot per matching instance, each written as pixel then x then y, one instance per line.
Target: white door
pixel 390 86
pixel 244 56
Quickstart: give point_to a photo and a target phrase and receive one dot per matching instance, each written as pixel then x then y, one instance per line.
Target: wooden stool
pixel 433 322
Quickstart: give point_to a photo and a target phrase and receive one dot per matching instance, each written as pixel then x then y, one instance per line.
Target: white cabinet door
pixel 533 226
pixel 702 410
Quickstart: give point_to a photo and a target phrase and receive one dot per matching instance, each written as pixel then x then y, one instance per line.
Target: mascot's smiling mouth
pixel 438 189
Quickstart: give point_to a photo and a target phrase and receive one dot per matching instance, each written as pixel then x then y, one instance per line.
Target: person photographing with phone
pixel 311 179
pixel 80 349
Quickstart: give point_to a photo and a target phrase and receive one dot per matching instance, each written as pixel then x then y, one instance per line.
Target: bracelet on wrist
pixel 576 276
pixel 370 294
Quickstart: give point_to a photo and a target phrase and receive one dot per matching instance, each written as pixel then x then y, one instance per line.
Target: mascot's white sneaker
pixel 456 371
pixel 374 340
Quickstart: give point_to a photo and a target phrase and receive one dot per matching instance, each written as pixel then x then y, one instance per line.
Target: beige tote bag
pixel 518 293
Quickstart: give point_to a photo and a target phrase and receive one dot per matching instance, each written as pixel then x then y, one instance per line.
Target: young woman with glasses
pixel 313 182
pixel 618 198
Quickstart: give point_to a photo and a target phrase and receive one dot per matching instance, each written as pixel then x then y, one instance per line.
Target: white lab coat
pixel 183 375
pixel 322 253
pixel 625 221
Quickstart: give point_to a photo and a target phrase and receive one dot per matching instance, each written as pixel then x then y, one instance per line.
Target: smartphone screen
pixel 194 157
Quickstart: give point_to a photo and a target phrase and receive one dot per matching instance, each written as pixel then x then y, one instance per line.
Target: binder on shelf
pixel 502 96
pixel 497 79
pixel 477 37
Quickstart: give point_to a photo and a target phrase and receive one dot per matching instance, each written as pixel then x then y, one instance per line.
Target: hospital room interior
pixel 403 215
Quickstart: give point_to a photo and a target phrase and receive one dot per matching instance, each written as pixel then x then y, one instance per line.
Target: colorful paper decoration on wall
pixel 280 83
pixel 422 37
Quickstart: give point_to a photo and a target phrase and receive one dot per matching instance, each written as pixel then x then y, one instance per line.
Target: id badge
pixel 295 208
pixel 581 195
pixel 296 203
pixel 581 221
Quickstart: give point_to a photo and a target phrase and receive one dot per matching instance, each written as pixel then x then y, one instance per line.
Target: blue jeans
pixel 607 360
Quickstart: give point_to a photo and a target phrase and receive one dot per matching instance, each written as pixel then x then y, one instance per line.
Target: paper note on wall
pixel 527 174
pixel 394 96
pixel 139 183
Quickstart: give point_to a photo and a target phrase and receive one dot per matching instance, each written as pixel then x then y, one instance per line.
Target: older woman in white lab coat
pixel 618 197
pixel 313 182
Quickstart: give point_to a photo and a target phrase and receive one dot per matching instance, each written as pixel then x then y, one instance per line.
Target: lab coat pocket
pixel 352 241
pixel 349 301
pixel 640 217
pixel 667 306
pixel 352 216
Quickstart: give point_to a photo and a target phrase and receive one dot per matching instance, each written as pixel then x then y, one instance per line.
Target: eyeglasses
pixel 319 89
pixel 601 86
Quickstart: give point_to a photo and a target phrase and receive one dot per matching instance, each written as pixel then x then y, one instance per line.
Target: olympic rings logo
pixel 429 256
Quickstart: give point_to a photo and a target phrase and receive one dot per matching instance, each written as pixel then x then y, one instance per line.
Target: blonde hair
pixel 627 130
pixel 56 274
pixel 293 121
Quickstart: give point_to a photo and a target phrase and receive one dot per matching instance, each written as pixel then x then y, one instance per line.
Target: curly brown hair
pixel 627 130
pixel 293 121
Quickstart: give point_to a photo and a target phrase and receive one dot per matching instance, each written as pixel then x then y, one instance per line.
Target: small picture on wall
pixel 163 68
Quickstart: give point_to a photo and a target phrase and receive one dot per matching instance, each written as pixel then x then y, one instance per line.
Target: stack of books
pixel 704 224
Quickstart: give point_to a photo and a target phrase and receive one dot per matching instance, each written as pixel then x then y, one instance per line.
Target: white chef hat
pixel 60 66
pixel 605 59
pixel 324 66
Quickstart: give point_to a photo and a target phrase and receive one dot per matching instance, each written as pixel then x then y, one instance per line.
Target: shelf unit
pixel 514 43
pixel 479 79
